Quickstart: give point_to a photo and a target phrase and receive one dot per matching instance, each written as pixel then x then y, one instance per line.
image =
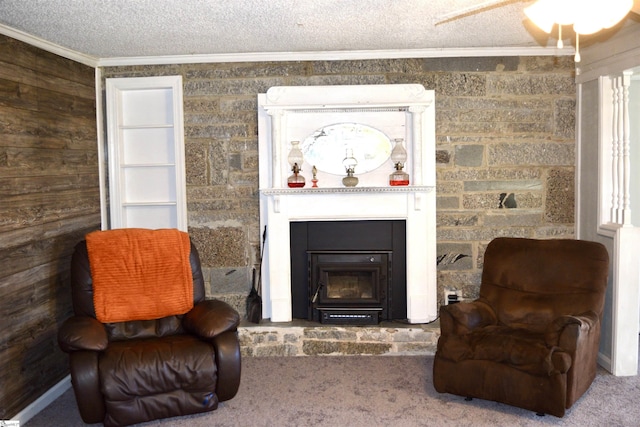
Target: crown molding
pixel 336 55
pixel 43 44
pixel 95 62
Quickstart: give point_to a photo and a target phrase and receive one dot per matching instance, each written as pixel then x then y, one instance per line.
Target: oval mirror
pixel 326 148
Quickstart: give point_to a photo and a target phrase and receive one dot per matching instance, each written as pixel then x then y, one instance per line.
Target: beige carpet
pixel 372 391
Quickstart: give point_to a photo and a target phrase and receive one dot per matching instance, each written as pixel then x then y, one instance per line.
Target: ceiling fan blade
pixel 478 8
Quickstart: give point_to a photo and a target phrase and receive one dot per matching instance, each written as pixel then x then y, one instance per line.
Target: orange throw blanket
pixel 140 274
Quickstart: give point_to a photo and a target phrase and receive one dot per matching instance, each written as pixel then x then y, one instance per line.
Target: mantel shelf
pixel 347 190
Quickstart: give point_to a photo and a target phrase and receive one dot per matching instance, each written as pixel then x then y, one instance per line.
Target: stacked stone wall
pixel 505 153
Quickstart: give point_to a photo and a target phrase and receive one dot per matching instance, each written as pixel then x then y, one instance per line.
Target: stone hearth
pixel 303 338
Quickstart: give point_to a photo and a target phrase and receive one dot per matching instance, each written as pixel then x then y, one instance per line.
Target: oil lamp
pixel 399 158
pixel 350 164
pixel 295 159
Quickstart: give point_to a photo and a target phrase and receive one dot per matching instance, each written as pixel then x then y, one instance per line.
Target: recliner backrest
pixel 531 282
pixel 82 298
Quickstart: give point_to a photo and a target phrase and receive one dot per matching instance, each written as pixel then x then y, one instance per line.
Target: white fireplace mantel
pixel 288 114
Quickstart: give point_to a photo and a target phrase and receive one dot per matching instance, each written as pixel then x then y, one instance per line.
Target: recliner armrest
pixel 82 333
pixel 228 360
pixel 578 336
pixel 210 318
pixel 565 331
pixel 463 317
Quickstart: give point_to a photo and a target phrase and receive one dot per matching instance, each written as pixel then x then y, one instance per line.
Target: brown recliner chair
pixel 134 371
pixel 531 338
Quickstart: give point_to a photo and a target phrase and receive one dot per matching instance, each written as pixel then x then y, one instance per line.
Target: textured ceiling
pixel 143 28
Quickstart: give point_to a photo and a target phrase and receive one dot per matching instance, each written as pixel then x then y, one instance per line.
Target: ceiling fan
pixel 585 16
pixel 484 6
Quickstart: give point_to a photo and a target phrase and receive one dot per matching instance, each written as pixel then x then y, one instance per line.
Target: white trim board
pixel 337 55
pixel 94 61
pixel 43 401
pixel 43 44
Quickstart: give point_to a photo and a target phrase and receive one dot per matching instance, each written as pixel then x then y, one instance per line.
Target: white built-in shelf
pixel 147 180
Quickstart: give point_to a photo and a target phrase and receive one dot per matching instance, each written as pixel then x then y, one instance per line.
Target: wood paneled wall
pixel 49 198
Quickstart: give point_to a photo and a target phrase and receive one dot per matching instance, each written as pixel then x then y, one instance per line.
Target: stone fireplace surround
pixel 287 114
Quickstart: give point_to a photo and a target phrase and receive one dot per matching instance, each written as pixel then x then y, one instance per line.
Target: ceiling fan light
pixel 614 11
pixel 594 15
pixel 585 26
pixel 589 18
pixel 564 11
pixel 540 13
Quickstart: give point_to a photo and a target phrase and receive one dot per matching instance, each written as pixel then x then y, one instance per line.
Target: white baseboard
pixel 43 401
pixel 605 362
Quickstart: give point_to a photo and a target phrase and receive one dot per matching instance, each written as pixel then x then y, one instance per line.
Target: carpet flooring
pixel 371 391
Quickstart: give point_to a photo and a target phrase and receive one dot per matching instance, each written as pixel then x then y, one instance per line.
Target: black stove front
pixel 348 272
pixel 347 287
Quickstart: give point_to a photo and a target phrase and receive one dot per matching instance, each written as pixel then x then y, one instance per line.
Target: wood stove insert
pixel 344 250
pixel 349 287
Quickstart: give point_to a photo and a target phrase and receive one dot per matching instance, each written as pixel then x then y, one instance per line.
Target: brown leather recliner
pixel 531 338
pixel 135 371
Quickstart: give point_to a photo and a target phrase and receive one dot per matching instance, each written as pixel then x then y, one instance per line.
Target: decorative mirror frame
pixel 327 147
pixel 288 113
